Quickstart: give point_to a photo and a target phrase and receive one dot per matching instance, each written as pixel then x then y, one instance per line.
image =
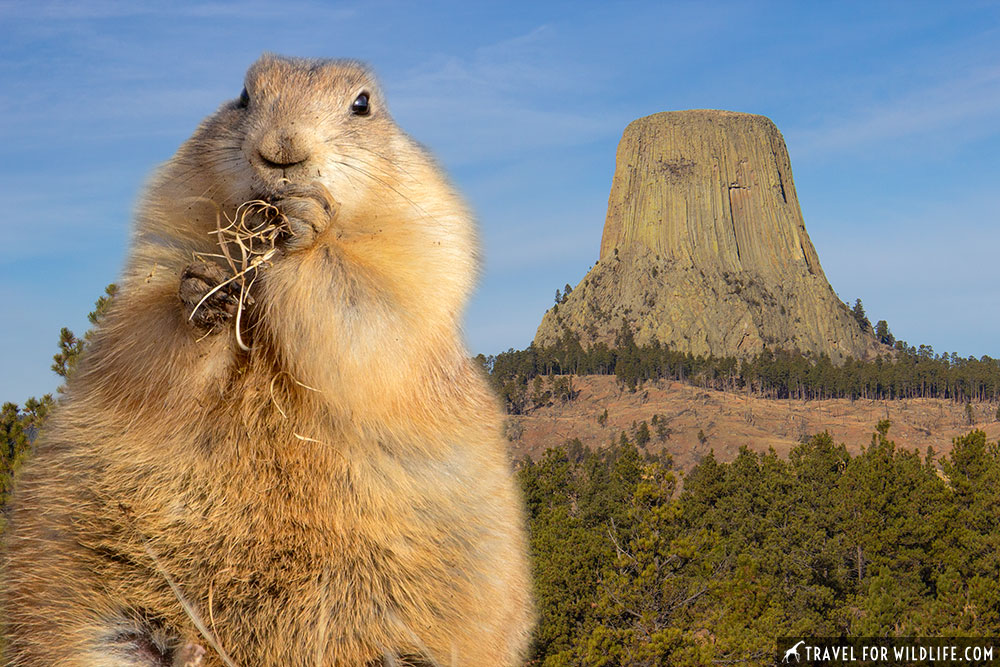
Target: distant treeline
pixel 822 544
pixel 904 372
pixel 20 425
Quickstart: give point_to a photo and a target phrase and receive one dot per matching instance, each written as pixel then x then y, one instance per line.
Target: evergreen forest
pixel 903 372
pixel 888 543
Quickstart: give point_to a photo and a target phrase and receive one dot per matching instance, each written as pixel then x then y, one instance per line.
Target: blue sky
pixel 891 113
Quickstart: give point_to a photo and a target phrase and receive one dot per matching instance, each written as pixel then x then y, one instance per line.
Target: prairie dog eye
pixel 360 105
pixel 244 98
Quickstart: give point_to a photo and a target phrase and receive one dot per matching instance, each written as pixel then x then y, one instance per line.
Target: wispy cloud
pixel 503 99
pixel 970 102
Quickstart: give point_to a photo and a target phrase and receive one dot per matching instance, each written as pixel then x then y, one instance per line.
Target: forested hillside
pixel 886 543
pixel 908 372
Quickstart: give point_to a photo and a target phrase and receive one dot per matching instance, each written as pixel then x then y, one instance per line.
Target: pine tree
pixel 663 431
pixel 18 429
pixel 859 315
pixel 101 307
pixel 652 583
pixel 642 434
pixel 628 364
pixel 894 511
pixel 882 332
pixel 970 547
pixel 71 347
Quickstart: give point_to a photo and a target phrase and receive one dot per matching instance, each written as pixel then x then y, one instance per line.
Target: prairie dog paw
pixel 190 655
pixel 309 209
pixel 213 313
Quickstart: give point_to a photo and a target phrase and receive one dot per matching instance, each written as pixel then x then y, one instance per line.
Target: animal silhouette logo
pixel 793 651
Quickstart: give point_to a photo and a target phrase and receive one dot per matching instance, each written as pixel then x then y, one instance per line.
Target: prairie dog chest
pixel 311 499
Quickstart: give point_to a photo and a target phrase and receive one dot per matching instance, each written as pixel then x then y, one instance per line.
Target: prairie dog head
pixel 302 121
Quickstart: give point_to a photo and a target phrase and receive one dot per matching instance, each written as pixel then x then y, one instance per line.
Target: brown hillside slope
pixel 705 247
pixel 729 421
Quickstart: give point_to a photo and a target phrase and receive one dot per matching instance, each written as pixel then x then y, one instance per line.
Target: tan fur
pixel 337 496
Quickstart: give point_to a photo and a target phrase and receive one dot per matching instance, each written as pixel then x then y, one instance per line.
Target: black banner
pixel 939 651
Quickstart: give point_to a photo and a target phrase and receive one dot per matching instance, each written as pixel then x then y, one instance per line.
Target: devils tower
pixel 705 249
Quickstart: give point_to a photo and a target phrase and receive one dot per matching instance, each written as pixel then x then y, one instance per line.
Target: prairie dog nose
pixel 284 147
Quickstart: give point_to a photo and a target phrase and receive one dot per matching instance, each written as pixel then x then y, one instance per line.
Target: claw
pixel 309 209
pixel 189 655
pixel 199 279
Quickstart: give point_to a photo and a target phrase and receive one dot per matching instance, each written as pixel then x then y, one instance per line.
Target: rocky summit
pixel 705 249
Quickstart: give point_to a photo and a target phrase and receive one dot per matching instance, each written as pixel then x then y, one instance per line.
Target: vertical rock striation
pixel 705 249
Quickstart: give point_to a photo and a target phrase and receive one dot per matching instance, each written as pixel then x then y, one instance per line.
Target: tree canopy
pixel 629 571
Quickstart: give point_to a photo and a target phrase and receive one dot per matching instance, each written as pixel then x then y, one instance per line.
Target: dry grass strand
pixel 189 609
pixel 248 242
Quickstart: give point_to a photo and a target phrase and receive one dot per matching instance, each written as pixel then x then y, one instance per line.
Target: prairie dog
pixel 328 488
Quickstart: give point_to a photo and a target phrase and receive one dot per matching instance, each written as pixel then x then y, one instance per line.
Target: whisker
pixel 390 187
